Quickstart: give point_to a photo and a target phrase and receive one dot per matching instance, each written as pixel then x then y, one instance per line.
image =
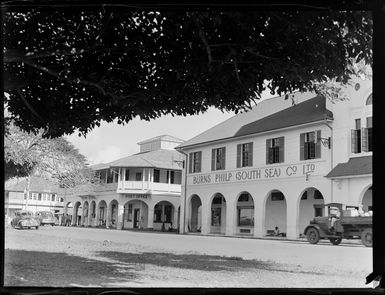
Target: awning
pixel 354 167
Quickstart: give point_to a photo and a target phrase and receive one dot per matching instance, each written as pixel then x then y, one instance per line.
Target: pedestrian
pixel 141 222
pixel 62 220
pixel 68 220
pixel 276 231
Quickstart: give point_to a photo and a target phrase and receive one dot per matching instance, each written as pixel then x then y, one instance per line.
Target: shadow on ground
pixel 186 261
pixel 33 268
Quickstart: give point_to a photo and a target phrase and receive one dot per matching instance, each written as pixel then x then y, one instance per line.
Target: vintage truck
pixel 338 226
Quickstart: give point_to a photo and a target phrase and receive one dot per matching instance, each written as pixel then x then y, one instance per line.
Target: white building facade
pixel 141 191
pixel 279 164
pixel 33 194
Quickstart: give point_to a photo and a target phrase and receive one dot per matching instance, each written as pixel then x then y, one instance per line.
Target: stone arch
pixel 133 212
pixel 275 212
pixel 311 203
pixel 101 214
pixel 85 213
pixel 112 215
pixel 245 208
pixel 366 199
pixel 194 223
pixel 76 216
pixel 218 214
pixel 164 215
pixel 92 213
pixel 369 100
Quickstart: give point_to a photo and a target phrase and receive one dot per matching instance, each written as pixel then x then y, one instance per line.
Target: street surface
pixel 70 256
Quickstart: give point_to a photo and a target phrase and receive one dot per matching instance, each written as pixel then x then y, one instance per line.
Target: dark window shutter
pixel 199 168
pixel 127 176
pixel 318 145
pixel 223 160
pixel 268 144
pixel 271 154
pixel 239 151
pixel 167 175
pixel 302 146
pixel 212 159
pixel 353 140
pixel 190 161
pixel 282 149
pixel 250 154
pixel 364 134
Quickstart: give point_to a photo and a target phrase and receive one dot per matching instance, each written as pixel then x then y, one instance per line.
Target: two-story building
pixel 33 194
pixel 139 191
pixel 278 164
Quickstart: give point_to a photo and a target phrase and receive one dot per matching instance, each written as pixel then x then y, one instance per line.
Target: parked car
pixel 340 225
pixel 46 217
pixel 25 219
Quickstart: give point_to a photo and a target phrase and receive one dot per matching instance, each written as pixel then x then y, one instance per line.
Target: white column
pixel 230 219
pixel 259 219
pixel 123 177
pixel 175 219
pixel 119 222
pixel 148 180
pixel 292 218
pixel 108 221
pixel 206 214
pixel 150 222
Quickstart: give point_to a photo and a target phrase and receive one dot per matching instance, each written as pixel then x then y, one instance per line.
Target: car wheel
pixel 366 237
pixel 36 227
pixel 312 236
pixel 335 241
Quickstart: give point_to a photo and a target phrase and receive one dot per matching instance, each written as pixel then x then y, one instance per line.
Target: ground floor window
pixel 245 216
pixel 215 216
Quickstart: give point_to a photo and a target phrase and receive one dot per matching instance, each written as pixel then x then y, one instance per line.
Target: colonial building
pixel 34 194
pixel 139 191
pixel 278 164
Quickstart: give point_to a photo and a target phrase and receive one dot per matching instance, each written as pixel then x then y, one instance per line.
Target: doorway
pixel 136 217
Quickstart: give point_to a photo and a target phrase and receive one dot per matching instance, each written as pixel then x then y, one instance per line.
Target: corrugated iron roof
pixel 355 166
pixel 230 127
pixel 162 158
pixel 312 110
pixel 36 184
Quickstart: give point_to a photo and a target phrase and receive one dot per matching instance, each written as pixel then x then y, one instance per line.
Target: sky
pixel 112 141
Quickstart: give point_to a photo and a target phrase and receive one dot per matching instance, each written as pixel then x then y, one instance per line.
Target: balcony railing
pixel 147 187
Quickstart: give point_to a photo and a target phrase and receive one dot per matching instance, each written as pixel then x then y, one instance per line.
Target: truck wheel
pixel 366 237
pixel 312 236
pixel 37 227
pixel 335 241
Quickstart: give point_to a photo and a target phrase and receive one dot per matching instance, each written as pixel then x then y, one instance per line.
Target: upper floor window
pixel 367 134
pixel 195 160
pixel 110 176
pixel 127 175
pixel 171 176
pixel 218 159
pixel 275 150
pixel 310 145
pixel 39 197
pixel 356 137
pixel 138 176
pixel 156 175
pixel 245 155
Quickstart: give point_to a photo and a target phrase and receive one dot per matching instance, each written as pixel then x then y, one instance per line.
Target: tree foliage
pixel 69 69
pixel 27 154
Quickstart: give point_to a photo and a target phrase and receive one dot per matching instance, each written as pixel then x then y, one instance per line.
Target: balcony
pixel 145 187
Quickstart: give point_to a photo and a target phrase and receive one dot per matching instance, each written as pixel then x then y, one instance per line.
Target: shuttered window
pixel 127 175
pixel 356 137
pixel 245 155
pixel 218 159
pixel 367 143
pixel 310 145
pixel 156 175
pixel 195 160
pixel 275 150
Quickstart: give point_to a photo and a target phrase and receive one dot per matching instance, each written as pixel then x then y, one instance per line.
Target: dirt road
pixel 62 256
